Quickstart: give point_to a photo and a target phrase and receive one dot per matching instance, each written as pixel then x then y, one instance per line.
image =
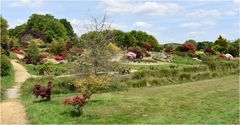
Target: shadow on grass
pixel 72 113
pixel 40 101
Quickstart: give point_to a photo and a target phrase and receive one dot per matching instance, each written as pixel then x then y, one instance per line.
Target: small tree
pixel 87 87
pixel 33 54
pixel 220 44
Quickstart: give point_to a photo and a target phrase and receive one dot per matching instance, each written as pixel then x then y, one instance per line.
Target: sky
pixel 167 20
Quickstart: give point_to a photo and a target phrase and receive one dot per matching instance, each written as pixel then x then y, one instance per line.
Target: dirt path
pixel 12 110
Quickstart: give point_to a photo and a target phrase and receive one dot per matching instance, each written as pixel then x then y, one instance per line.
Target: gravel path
pixel 12 110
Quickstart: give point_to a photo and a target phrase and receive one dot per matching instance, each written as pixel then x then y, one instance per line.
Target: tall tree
pixel 68 27
pixel 97 56
pixel 51 26
pixel 220 44
pixel 4 33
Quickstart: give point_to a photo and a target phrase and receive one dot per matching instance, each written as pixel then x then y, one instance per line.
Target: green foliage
pixel 192 103
pixel 4 33
pixel 57 45
pixel 184 60
pixel 51 26
pixel 92 84
pixel 220 44
pixel 204 45
pixel 16 32
pixel 192 42
pixel 143 37
pixel 7 81
pixel 233 48
pixel 68 27
pixel 33 53
pixel 49 69
pixel 5 65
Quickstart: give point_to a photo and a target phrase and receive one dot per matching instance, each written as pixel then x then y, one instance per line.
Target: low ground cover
pixel 208 101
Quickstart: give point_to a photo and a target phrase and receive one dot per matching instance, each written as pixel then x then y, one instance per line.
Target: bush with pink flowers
pixel 59 58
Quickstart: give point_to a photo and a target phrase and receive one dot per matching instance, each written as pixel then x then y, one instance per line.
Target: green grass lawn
pixel 7 81
pixel 208 101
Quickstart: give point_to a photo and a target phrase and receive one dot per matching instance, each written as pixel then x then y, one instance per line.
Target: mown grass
pixel 212 101
pixel 7 81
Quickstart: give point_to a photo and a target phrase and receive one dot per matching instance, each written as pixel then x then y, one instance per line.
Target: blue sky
pixel 167 20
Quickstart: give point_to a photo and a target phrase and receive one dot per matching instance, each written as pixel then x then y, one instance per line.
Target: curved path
pixel 12 110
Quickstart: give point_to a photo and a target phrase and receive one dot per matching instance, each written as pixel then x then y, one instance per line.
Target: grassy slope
pixel 7 81
pixel 207 101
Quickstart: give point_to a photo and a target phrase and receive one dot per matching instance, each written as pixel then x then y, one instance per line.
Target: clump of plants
pixel 87 87
pixel 44 92
pixel 5 65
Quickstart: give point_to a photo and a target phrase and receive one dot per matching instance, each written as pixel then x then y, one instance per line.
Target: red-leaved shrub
pixel 77 102
pixel 188 47
pixel 169 49
pixel 221 56
pixel 43 91
pixel 147 46
pixel 209 51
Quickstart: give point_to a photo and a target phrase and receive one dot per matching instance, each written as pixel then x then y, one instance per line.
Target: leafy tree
pixel 17 31
pixel 192 42
pixel 143 37
pixel 220 44
pixel 129 40
pixel 51 26
pixel 204 45
pixel 97 55
pixel 233 48
pixel 68 27
pixel 4 33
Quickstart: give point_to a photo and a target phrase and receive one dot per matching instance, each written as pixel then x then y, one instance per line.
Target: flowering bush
pixel 58 57
pixel 77 102
pixel 138 51
pixel 209 51
pixel 18 51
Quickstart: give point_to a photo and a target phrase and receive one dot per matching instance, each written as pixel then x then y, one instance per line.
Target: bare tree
pixel 96 58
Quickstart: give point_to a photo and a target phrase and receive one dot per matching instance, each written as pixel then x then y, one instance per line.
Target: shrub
pixel 77 102
pixel 147 46
pixel 57 46
pixel 209 51
pixel 58 57
pixel 188 47
pixel 138 51
pixel 43 91
pixel 5 65
pixel 18 51
pixel 185 76
pixel 33 55
pixel 169 49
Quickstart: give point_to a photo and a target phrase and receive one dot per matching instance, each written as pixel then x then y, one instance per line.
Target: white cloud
pixel 141 24
pixel 204 13
pixel 162 28
pixel 230 13
pixel 237 4
pixel 16 23
pixel 26 3
pixel 195 33
pixel 195 25
pixel 149 8
pixel 210 13
pixel 79 25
